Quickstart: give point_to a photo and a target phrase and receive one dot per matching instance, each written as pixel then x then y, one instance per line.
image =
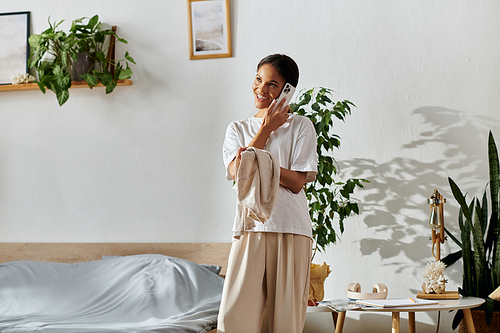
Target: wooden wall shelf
pixel 74 84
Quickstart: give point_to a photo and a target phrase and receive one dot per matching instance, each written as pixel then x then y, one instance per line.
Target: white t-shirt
pixel 294 145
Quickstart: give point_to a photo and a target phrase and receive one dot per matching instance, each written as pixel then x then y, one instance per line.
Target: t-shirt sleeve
pixel 304 157
pixel 230 147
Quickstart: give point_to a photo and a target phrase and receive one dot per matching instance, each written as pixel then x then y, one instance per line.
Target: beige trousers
pixel 270 267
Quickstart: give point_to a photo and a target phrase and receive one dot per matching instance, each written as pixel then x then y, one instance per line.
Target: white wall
pixel 144 164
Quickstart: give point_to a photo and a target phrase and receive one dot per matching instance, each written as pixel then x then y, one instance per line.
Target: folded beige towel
pixel 257 183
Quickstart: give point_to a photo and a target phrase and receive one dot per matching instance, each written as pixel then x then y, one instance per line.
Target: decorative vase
pixel 84 63
pixel 479 319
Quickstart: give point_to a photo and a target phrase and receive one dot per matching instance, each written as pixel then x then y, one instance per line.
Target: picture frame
pixel 209 29
pixel 14 53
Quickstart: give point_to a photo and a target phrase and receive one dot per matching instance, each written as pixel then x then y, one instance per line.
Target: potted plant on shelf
pixel 90 39
pixel 51 53
pixel 481 256
pixel 328 199
pixel 55 52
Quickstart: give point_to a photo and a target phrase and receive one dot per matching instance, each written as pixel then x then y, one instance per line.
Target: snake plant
pixel 479 240
pixel 328 199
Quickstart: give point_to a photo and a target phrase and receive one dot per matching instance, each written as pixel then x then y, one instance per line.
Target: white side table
pixel 338 318
pixel 465 304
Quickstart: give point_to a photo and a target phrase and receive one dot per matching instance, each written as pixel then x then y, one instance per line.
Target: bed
pixel 111 287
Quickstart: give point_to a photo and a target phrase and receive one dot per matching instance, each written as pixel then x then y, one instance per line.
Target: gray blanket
pixel 143 293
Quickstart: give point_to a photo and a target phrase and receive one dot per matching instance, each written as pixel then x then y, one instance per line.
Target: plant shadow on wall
pixel 396 202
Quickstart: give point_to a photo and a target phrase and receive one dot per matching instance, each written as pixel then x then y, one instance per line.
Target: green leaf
pixel 62 97
pixel 493 234
pixel 129 58
pixel 467 254
pixel 307 97
pixel 63 81
pixel 93 21
pixel 125 74
pixel 34 40
pixel 101 57
pixel 489 307
pixel 105 77
pixel 355 208
pixel 90 79
pixel 110 87
pixel 460 198
pixel 451 258
pixel 41 86
pixel 64 58
pixel 457 319
pixel 479 254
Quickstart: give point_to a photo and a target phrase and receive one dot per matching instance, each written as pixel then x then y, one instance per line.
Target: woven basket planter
pixel 479 318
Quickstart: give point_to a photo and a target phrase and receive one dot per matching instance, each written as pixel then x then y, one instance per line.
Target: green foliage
pixel 90 39
pixel 479 239
pixel 53 53
pixel 328 199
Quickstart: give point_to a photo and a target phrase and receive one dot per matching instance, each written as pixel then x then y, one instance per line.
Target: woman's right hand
pixel 273 118
pixel 275 115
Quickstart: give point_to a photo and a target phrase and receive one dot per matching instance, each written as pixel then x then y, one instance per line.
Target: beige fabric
pixel 270 267
pixel 495 295
pixel 257 183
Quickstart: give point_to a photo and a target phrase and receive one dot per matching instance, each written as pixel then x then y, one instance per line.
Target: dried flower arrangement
pixel 22 78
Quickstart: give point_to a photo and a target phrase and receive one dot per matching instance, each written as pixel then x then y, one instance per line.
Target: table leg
pixel 468 321
pixel 411 322
pixel 395 322
pixel 334 317
pixel 340 322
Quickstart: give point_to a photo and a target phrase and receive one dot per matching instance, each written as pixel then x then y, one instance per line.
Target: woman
pixel 270 263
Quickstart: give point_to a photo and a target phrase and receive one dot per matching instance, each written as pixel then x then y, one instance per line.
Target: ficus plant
pixel 329 198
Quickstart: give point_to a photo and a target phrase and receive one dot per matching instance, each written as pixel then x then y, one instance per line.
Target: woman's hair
pixel 285 66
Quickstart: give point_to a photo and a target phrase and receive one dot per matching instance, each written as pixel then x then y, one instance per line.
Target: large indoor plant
pixel 329 199
pixel 53 53
pixel 479 240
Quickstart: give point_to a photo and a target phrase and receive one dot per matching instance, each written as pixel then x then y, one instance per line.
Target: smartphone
pixel 288 91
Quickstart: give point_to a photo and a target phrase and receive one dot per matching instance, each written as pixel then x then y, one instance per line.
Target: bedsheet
pixel 142 293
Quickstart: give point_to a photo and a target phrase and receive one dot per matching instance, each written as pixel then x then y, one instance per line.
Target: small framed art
pixel 209 29
pixel 14 47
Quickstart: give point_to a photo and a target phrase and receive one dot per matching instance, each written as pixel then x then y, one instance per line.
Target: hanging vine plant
pixel 54 53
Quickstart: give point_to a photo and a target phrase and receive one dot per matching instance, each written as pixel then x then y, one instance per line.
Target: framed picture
pixel 209 29
pixel 14 47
